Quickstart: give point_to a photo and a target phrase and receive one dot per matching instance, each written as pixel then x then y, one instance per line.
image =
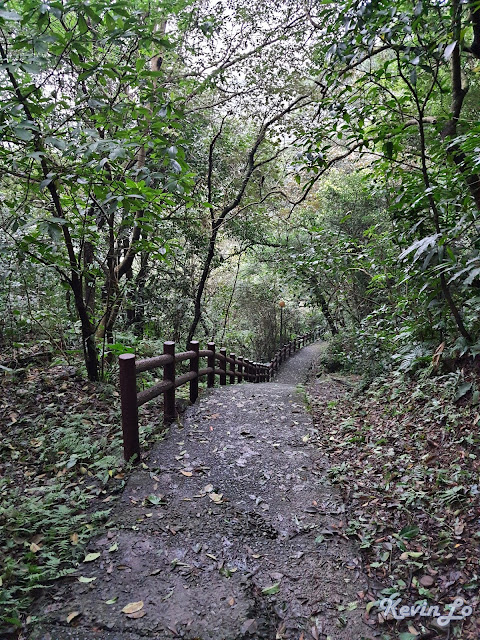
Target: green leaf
pixel 58 143
pixel 85 580
pixel 10 15
pixel 409 532
pixel 274 588
pixel 90 557
pixel 23 134
pixel 45 183
pixel 447 54
pixel 388 149
pixel 462 390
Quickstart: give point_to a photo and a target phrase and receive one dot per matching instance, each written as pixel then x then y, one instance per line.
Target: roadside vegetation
pixel 174 170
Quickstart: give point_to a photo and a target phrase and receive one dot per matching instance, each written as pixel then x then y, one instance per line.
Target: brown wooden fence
pixel 229 368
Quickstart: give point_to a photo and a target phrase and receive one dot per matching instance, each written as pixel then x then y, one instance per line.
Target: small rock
pixel 249 626
pixel 426 581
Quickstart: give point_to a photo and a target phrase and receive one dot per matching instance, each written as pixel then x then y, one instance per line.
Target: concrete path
pixel 232 531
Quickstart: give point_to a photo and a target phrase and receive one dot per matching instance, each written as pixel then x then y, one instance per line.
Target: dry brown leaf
pixel 459 527
pixel 186 473
pixel 426 581
pixel 137 614
pixel 74 538
pixel 35 547
pixel 133 607
pixel 72 615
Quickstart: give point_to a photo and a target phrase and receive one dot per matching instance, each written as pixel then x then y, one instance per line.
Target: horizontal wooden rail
pixel 239 369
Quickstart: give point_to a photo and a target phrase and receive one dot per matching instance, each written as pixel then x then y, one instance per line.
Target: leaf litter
pixel 405 455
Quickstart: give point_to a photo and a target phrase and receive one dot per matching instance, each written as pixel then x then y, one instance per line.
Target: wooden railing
pixel 239 370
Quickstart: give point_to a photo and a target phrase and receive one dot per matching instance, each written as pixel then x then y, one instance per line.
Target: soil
pixel 229 530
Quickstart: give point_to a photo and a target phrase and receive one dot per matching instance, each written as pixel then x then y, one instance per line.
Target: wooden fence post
pixel 169 409
pixel 211 364
pixel 240 369
pixel 223 366
pixel 232 368
pixel 194 346
pixel 128 398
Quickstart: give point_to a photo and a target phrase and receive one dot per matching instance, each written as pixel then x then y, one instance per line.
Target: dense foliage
pixel 154 154
pixel 174 169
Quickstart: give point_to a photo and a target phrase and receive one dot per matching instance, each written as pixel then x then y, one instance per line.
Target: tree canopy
pixel 152 153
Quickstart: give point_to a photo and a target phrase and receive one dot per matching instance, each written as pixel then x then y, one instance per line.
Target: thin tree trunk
pixel 325 310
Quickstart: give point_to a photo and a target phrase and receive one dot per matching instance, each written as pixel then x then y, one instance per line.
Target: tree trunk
pixel 201 285
pixel 326 311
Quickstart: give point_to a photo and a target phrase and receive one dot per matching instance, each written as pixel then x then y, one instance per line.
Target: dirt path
pixel 232 531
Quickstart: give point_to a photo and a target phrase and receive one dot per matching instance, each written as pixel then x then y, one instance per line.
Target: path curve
pixel 296 368
pixel 233 531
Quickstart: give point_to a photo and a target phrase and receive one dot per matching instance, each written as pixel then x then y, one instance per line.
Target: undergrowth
pixel 406 456
pixel 60 468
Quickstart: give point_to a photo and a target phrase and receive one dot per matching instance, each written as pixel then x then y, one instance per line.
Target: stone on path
pixel 232 532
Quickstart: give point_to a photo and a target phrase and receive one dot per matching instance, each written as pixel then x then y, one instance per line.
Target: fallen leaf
pixel 133 607
pixel 186 473
pixel 459 527
pixel 411 554
pixel 112 600
pixel 153 499
pixel 370 606
pixel 90 557
pixel 113 548
pixel 85 580
pixel 274 588
pixel 34 547
pixel 74 538
pixel 72 615
pixel 249 626
pixel 231 601
pixel 137 614
pixel 426 581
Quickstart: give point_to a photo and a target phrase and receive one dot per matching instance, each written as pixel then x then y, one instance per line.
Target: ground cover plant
pixel 405 454
pixel 61 469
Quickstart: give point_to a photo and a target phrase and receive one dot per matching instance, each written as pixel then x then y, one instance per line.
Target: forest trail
pixel 232 531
